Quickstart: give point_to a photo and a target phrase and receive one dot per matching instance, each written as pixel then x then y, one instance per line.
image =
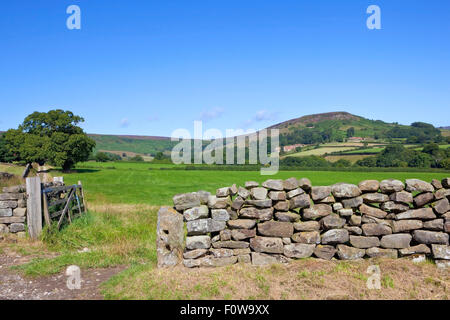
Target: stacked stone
pixel 13 209
pixel 290 219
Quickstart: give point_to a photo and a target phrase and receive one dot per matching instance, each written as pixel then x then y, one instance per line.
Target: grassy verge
pixel 302 279
pixel 122 235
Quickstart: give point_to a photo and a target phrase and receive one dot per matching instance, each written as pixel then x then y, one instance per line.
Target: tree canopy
pixel 50 137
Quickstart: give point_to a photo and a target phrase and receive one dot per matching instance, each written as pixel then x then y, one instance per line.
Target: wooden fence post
pixel 34 207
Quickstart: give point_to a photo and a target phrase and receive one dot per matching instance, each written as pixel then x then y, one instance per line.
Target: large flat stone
pixel 345 190
pixel 290 184
pixel 364 242
pixel 12 219
pixel 369 186
pixel 374 197
pixel 204 226
pixel 394 207
pixel 300 201
pixel 391 185
pixel 325 252
pixel 16 227
pixel 442 206
pixel 372 211
pixel 406 225
pixel 266 203
pixel 241 224
pixel 430 237
pixel 8 204
pixel 418 185
pixel 335 236
pixel 6 212
pixel 308 237
pixel 422 213
pixel 198 242
pixel 186 201
pixel 255 213
pixel 319 193
pixel 266 244
pixel 382 253
pixel 276 229
pixel 277 195
pixel 287 216
pixel 196 213
pixel 396 241
pixel 332 221
pixel 349 253
pixel 230 244
pixel 242 234
pixel 423 199
pixel 402 196
pixel 317 211
pixel 352 202
pixel 435 225
pixel 220 215
pixel 307 226
pixel 262 259
pixel 274 184
pixel 376 229
pixel 441 251
pixel 299 250
pixel 418 249
pixel 282 205
pixel 259 193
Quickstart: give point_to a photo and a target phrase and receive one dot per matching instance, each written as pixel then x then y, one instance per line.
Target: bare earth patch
pixel 14 286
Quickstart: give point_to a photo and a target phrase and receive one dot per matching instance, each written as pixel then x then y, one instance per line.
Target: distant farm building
pixel 292 147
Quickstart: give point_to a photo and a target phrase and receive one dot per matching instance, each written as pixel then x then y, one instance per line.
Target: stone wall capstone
pixel 281 220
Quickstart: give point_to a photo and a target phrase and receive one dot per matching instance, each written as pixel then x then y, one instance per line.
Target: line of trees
pixel 395 155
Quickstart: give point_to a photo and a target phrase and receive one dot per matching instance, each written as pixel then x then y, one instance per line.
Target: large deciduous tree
pixel 50 137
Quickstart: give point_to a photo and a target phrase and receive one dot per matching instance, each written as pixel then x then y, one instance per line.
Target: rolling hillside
pixel 332 127
pixel 144 145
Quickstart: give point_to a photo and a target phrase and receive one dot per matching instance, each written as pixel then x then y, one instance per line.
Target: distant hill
pixel 334 127
pixel 309 129
pixel 145 145
pixel 315 118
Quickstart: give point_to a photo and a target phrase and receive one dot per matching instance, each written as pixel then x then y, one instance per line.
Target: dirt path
pixel 14 286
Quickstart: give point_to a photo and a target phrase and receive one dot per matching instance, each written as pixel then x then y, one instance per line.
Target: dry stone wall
pixel 13 209
pixel 289 219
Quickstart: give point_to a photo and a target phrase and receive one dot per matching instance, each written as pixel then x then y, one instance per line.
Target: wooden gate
pixel 59 204
pixel 63 203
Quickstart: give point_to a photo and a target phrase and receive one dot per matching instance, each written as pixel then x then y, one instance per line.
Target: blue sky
pixel 150 67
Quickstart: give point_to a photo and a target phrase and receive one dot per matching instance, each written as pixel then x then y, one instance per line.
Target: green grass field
pixel 134 183
pixel 367 150
pixel 320 151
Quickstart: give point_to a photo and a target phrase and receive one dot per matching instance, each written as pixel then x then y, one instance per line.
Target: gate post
pixel 34 207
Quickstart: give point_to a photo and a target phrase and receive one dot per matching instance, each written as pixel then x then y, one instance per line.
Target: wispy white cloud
pixel 211 114
pixel 124 123
pixel 261 116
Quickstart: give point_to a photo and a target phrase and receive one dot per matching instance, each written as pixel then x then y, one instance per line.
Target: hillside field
pixel 135 183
